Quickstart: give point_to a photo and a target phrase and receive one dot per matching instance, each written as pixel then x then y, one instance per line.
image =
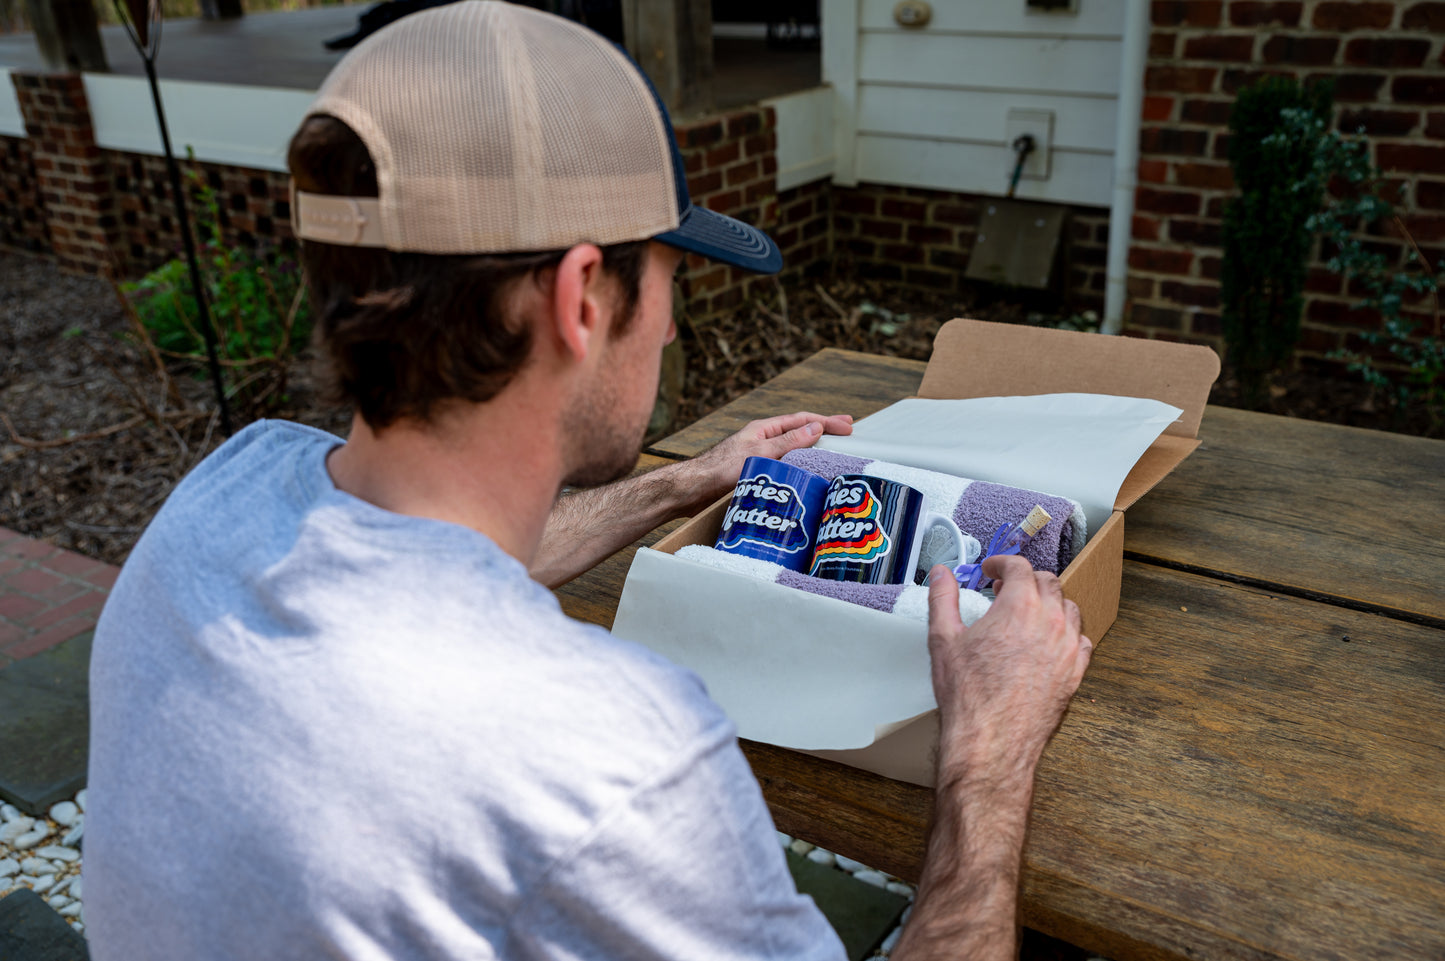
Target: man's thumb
pixel 943 601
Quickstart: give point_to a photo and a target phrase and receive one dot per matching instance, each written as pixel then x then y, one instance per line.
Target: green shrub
pixel 257 305
pixel 1266 231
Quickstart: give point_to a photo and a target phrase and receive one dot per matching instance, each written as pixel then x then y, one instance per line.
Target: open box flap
pixel 975 358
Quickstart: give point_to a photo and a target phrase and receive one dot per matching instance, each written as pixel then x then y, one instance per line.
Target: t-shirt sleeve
pixel 687 868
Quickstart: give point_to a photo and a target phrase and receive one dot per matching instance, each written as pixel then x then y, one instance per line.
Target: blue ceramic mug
pixel 774 513
pixel 872 531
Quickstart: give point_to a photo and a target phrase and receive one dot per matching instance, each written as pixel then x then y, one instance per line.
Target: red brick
pixel 904 210
pixel 1215 113
pixel 1308 51
pixel 1141 288
pixel 1161 45
pixel 1430 194
pixel 701 135
pixel 923 234
pixel 963 215
pixel 853 202
pixel 724 154
pixel 1158 108
pixel 1150 200
pixel 1353 15
pixel 745 172
pixel 1171 79
pixel 1435 126
pixel 87 603
pixel 1426 229
pixel 1209 267
pixel 1320 280
pixel 1172 140
pixel 103 578
pixel 1427 89
pixel 704 183
pixel 1329 311
pixel 1429 16
pixel 30 550
pixel 1158 261
pixel 1379 123
pixel 742 124
pixel 1353 87
pixel 882 229
pixel 1390 52
pixel 1185 13
pixel 32 581
pixel 1232 47
pixel 1191 295
pixel 1246 13
pixel 1196 233
pixel 1205 176
pixel 1153 171
pixel 1410 157
pixel 18 607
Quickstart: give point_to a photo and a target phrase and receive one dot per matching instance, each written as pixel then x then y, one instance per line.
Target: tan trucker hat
pixel 496 128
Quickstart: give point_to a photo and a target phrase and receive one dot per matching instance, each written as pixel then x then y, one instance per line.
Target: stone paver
pixel 47 595
pixel 31 930
pixel 45 726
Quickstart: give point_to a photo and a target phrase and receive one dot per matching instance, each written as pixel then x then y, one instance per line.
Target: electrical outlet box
pixel 1039 124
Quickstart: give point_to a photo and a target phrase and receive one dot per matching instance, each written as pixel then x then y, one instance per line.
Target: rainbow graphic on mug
pixel 850 529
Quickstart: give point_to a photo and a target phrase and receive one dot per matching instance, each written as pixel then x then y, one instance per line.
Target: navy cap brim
pixel 720 237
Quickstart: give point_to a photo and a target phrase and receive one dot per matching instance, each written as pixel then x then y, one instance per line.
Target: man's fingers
pixel 943 619
pixel 1006 569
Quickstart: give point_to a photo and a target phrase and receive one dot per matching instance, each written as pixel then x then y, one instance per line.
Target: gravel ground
pixel 43 854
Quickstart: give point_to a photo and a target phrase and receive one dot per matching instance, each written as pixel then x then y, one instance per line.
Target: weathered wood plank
pixel 1232 781
pixel 1339 511
pixel 843 381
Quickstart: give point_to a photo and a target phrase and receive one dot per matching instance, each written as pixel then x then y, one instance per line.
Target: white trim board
pixel 805 136
pixel 222 123
pixel 12 121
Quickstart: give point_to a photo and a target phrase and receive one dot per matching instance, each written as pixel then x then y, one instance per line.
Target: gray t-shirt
pixel 323 730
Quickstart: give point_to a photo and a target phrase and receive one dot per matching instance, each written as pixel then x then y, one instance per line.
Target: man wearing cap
pixel 334 712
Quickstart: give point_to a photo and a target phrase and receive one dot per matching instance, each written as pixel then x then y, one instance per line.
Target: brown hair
pixel 399 334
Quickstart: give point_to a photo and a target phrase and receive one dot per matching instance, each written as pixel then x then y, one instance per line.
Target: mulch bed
pixel 92 439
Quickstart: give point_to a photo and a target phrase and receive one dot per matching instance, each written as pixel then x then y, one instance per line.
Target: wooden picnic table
pixel 1254 766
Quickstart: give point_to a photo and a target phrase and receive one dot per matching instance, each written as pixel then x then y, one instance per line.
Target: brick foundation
pixel 22 226
pixel 1386 60
pixel 923 238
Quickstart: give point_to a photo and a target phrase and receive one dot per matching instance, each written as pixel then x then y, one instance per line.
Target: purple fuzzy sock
pixel 825 463
pixel 984 506
pixel 880 597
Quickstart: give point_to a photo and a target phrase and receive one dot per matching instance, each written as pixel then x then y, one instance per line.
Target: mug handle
pixel 930 521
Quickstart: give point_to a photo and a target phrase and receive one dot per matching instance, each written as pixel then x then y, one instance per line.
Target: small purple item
pixel 1008 539
pixel 879 597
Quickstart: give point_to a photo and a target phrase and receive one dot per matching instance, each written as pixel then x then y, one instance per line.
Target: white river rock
pixel 80 799
pixel 36 867
pixel 58 853
pixel 876 878
pixel 849 865
pixel 73 836
pixel 14 828
pixel 819 856
pixel 71 910
pixel 39 833
pixel 65 813
pixel 9 812
pixel 42 884
pixel 9 866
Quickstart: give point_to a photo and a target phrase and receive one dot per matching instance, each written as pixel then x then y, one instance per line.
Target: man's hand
pixel 1002 687
pixel 714 472
pixel 587 526
pixel 1003 684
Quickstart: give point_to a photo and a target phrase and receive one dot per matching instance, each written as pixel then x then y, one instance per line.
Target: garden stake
pixel 143 24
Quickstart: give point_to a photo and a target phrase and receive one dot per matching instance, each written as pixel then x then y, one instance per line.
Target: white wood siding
pixel 928 106
pixel 805 136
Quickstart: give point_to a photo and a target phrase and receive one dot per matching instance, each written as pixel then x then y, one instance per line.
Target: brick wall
pixel 254 207
pixel 21 225
pixel 69 170
pixel 923 238
pixel 1388 63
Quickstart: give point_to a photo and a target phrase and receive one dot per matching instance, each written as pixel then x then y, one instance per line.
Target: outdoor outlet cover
pixel 912 13
pixel 1040 125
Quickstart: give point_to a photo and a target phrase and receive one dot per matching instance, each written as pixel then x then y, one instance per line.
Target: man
pixel 334 716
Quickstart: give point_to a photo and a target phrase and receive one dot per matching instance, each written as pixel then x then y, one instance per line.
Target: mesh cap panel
pixel 498 128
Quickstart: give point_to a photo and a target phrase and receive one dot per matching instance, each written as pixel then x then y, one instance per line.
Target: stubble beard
pixel 607 449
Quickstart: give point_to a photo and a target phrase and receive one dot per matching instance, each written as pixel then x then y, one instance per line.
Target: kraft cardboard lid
pixel 975 358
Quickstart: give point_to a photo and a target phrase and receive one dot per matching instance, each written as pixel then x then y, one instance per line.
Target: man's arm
pixel 587 526
pixel 1002 686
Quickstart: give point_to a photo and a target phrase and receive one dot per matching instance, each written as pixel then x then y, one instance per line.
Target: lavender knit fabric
pixel 880 597
pixel 825 463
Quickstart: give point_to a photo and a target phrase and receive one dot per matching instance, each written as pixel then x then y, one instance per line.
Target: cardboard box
pixel 860 648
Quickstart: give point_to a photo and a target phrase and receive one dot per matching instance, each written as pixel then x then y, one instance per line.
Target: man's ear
pixel 580 301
